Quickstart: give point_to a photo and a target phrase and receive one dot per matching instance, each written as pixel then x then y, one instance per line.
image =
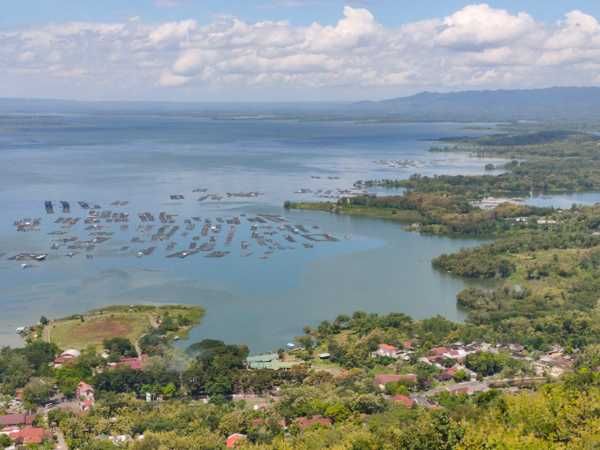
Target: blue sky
pixel 389 12
pixel 288 50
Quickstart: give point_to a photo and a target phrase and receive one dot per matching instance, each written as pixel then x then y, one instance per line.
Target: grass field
pixel 398 215
pixel 92 328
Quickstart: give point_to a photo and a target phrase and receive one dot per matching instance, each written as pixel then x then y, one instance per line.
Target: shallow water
pixel 375 265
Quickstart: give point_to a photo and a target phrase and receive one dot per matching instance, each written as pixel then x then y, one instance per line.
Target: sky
pixel 292 50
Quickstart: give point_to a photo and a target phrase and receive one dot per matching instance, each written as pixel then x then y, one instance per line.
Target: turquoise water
pixel 263 299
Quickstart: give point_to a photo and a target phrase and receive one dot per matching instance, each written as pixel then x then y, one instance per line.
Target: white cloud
pixel 169 79
pixel 477 46
pixel 173 32
pixel 482 26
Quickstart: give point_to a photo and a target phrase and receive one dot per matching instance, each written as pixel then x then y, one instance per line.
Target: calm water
pixel 374 266
pixel 565 200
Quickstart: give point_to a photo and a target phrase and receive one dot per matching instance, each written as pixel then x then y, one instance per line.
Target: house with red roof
pixel 134 363
pixel 234 439
pixel 29 436
pixel 386 351
pixel 382 379
pixel 86 396
pixel 438 354
pixel 447 374
pixel 306 422
pixel 11 420
pixel 403 400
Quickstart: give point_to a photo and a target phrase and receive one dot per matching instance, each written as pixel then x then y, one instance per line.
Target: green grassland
pixel 131 322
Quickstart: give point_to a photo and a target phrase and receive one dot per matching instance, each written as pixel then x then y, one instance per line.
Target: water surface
pixel 143 159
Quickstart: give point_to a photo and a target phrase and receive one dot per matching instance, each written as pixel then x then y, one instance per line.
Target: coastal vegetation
pixel 537 163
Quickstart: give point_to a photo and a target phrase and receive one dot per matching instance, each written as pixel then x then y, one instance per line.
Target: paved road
pixel 61 444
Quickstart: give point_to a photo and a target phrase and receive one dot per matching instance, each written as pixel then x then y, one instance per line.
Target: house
pixel 306 422
pixel 19 394
pixel 438 354
pixel 408 344
pixel 382 379
pixel 120 439
pixel 85 395
pixel 403 400
pixel 447 374
pixel 234 439
pixel 66 357
pixel 29 436
pixel 457 354
pixel 468 388
pixel 554 363
pixel 11 420
pixel 133 363
pixel 516 349
pixel 386 351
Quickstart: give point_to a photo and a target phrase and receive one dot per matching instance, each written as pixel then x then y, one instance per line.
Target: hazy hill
pixel 566 103
pixel 558 104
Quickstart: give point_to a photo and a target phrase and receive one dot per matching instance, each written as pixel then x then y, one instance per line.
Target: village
pixel 25 425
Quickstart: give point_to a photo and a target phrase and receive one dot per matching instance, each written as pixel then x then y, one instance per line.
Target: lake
pixel 273 279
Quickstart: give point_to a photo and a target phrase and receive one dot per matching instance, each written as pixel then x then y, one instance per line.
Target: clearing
pixel 131 322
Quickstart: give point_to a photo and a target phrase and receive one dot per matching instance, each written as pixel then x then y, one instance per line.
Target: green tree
pixel 37 392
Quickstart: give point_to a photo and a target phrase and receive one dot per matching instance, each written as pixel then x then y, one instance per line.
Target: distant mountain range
pixel 573 104
pixel 561 103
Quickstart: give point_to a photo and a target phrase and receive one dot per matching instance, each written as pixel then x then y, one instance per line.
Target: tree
pixel 118 347
pixel 590 357
pixel 37 392
pixel 5 441
pixel 460 376
pixel 485 363
pixel 39 354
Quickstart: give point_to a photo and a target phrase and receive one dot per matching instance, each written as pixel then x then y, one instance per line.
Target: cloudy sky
pixel 277 50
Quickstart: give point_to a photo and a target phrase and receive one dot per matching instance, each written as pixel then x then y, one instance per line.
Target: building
pixel 66 357
pixel 386 351
pixel 29 436
pixel 85 395
pixel 403 400
pixel 554 363
pixel 408 344
pixel 447 374
pixel 381 380
pixel 11 420
pixel 234 439
pixel 306 422
pixel 133 363
pixel 439 354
